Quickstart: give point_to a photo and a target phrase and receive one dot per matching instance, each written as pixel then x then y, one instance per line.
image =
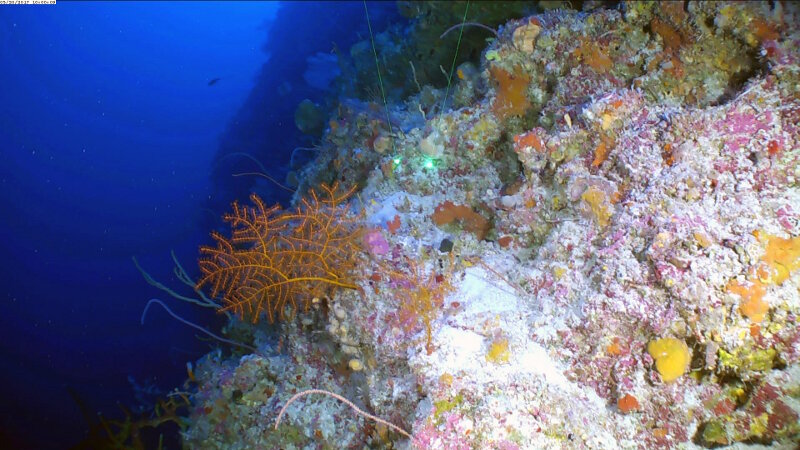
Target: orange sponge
pixel 511 99
pixel 672 357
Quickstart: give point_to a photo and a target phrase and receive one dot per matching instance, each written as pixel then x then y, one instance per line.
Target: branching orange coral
pixel 422 296
pixel 277 259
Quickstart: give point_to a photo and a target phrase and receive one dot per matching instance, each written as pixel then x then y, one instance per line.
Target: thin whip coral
pixel 276 260
pixel 347 402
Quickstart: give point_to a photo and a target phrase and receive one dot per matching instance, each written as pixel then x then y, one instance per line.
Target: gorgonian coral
pixel 276 260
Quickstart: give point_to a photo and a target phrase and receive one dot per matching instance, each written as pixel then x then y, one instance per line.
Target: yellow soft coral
pixel 672 357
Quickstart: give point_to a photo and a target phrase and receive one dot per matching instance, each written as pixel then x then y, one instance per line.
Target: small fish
pixel 190 372
pixel 213 81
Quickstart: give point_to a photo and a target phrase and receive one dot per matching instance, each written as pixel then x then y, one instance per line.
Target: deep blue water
pixel 112 145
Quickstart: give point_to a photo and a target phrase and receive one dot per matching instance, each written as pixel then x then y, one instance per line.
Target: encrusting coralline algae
pixel 636 283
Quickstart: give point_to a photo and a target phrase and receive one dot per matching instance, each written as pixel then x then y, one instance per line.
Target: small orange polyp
pixel 627 403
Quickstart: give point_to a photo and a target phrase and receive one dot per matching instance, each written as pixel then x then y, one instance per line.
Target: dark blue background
pixel 110 138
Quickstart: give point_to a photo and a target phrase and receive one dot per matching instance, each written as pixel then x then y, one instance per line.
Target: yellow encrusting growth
pixel 598 202
pixel 782 257
pixel 498 351
pixel 753 304
pixel 446 379
pixel 672 357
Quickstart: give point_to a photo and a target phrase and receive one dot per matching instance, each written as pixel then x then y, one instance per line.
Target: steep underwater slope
pixel 598 249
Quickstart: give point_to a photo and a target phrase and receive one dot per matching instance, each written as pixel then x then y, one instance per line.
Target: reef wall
pixel 594 245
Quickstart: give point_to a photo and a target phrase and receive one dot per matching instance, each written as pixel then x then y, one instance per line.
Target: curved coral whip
pixel 470 24
pixel 193 325
pixel 345 401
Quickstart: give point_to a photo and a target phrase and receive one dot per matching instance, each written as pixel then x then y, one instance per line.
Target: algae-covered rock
pixel 309 118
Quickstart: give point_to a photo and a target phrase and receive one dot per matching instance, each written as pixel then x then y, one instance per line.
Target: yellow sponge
pixel 672 357
pixel 498 352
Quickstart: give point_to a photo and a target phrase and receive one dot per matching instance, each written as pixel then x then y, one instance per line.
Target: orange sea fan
pixel 276 259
